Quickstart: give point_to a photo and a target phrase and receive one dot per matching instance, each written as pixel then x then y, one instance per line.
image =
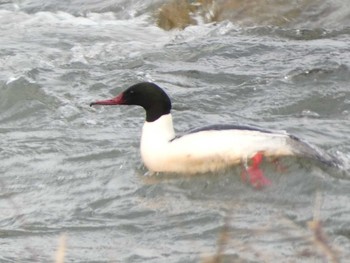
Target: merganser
pixel 209 148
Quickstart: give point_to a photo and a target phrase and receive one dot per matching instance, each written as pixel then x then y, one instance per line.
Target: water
pixel 68 169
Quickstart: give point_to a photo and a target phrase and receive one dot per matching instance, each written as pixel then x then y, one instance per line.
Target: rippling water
pixel 68 168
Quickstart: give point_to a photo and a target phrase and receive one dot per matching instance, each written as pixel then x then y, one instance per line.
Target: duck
pixel 210 148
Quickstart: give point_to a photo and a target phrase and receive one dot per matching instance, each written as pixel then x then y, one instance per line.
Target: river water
pixel 71 177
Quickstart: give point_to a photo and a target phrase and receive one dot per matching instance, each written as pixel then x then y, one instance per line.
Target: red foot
pixel 256 176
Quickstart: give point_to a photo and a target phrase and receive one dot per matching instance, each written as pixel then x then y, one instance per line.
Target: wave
pixel 122 9
pixel 23 100
pixel 326 72
pixel 179 14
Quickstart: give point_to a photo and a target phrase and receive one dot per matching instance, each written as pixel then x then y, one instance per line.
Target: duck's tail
pixel 305 149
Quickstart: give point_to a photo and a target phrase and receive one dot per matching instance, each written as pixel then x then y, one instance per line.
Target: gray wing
pixel 218 127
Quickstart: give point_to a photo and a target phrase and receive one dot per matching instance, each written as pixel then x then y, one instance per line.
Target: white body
pixel 205 151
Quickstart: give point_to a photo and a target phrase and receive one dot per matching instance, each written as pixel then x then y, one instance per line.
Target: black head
pixel 145 94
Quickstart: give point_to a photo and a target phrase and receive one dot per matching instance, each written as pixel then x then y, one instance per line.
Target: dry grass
pixel 320 245
pixel 222 242
pixel 61 249
pixel 319 239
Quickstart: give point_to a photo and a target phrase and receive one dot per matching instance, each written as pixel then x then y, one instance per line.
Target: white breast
pixel 204 151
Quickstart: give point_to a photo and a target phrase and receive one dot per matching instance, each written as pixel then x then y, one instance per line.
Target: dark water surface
pixel 68 168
